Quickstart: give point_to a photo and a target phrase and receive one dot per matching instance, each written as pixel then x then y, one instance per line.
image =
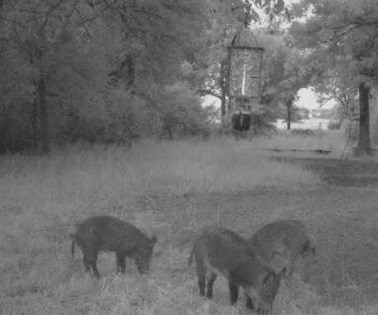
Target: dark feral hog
pixel 220 251
pixel 280 244
pixel 106 233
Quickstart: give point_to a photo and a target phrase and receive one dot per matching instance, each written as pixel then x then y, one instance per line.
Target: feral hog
pixel 106 233
pixel 280 244
pixel 220 251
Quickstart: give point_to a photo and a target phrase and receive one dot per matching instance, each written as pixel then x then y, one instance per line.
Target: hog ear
pixel 269 278
pixel 282 274
pixel 153 241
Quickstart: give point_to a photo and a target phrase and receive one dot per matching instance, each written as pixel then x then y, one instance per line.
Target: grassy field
pixel 173 189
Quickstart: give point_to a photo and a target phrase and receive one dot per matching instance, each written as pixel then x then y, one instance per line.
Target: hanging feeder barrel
pixel 244 71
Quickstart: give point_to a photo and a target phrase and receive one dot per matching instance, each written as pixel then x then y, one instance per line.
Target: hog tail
pixel 74 240
pixel 309 247
pixel 190 259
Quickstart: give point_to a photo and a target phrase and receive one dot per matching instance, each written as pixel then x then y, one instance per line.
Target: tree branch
pixel 204 92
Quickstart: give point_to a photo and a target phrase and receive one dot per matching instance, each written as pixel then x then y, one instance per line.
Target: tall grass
pixel 42 197
pixel 168 167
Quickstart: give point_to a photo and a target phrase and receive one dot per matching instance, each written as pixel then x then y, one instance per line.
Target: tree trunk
pixel 43 116
pixel 34 122
pixel 289 104
pixel 223 89
pixel 4 128
pixel 169 132
pixel 364 144
pixel 130 71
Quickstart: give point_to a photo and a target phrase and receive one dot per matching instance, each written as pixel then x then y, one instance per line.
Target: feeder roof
pixel 245 39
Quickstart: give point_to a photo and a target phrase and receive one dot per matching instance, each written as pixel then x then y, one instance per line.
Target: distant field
pixel 312 123
pixel 333 141
pixel 172 189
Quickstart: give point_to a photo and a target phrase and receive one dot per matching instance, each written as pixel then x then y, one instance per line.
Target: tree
pixel 225 19
pixel 345 96
pixel 68 67
pixel 34 34
pixel 342 34
pixel 177 112
pixel 287 69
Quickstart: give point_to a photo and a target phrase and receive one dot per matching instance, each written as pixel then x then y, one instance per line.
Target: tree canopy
pixel 112 71
pixel 343 35
pixel 70 67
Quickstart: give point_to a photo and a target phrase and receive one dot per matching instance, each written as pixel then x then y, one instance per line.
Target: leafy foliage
pixel 342 34
pixel 287 69
pixel 84 70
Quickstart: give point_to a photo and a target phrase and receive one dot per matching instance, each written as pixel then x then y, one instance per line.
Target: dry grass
pixel 42 197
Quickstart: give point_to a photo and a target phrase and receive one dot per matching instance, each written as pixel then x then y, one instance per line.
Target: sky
pixel 291 1
pixel 307 99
